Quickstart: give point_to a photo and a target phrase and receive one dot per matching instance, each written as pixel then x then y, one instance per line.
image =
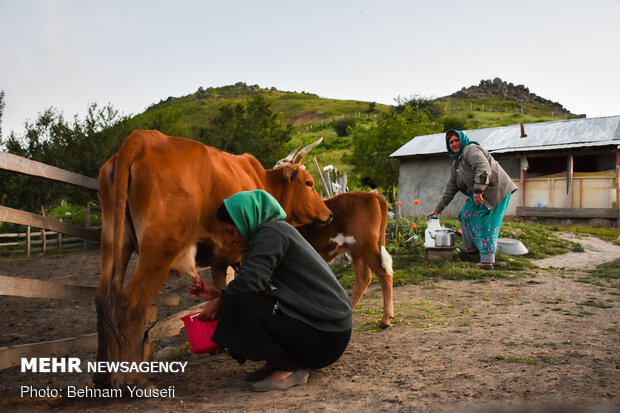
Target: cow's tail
pixel 120 187
pixel 386 258
pixel 110 301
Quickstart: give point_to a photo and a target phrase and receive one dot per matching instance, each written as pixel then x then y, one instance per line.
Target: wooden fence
pixel 42 241
pixel 31 288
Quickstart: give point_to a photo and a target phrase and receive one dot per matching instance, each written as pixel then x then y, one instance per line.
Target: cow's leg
pixel 140 292
pixel 221 275
pixel 218 276
pixel 386 281
pixel 362 278
pixel 374 261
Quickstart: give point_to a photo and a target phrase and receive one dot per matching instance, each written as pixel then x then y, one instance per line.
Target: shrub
pixel 451 122
pixel 341 126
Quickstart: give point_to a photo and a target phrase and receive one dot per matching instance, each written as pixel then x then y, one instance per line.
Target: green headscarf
pixel 251 209
pixel 464 142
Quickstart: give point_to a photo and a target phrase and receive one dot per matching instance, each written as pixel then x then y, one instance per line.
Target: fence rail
pixel 43 241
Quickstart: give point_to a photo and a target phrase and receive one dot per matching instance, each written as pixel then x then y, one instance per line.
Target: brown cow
pixel 359 223
pixel 159 196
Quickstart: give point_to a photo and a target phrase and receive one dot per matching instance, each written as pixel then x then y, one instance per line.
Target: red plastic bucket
pixel 199 334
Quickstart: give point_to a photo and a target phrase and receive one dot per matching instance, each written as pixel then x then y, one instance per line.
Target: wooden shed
pixel 567 171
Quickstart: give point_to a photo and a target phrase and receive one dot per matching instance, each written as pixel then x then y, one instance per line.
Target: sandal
pixel 298 377
pixel 485 265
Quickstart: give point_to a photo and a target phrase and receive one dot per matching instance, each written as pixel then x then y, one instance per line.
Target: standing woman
pixel 285 306
pixel 488 187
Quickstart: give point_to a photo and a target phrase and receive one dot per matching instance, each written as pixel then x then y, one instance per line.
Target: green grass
pixel 609 270
pixel 592 302
pixel 491 112
pixel 541 240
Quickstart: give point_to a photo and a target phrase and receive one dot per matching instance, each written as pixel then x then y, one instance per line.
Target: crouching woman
pixel 285 306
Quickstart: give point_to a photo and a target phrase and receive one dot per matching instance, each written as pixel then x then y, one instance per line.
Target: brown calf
pixel 358 226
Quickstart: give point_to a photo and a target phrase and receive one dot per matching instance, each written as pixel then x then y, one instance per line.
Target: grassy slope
pixel 184 115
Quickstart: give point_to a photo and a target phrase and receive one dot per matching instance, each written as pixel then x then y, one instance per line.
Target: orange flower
pixel 399 203
pixel 416 201
pixel 413 225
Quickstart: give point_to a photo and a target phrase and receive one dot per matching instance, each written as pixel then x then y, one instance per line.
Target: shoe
pixel 260 373
pixel 298 377
pixel 485 265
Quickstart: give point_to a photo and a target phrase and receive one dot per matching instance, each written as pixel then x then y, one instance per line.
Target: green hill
pixel 185 114
pixel 491 103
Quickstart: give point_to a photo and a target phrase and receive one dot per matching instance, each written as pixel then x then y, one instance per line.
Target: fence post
pixel 43 237
pixel 28 241
pixel 60 240
pixel 327 189
pixel 328 181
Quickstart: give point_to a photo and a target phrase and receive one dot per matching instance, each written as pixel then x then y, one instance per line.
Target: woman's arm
pixel 448 194
pixel 267 249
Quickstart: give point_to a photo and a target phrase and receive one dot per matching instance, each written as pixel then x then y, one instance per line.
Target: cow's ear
pixel 290 172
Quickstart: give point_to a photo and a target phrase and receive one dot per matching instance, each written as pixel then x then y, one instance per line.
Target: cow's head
pixel 294 188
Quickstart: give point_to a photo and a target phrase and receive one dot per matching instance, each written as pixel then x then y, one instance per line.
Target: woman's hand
pixel 211 311
pixel 204 289
pixel 433 214
pixel 478 200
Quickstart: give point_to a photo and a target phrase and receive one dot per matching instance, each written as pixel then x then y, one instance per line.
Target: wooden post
pixel 328 180
pixel 60 239
pixel 328 190
pixel 43 237
pixel 344 183
pixel 522 182
pixel 569 181
pixel 28 241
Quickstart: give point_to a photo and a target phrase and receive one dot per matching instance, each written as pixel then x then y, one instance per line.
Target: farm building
pixel 566 170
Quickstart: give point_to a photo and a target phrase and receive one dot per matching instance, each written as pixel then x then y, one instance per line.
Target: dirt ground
pixel 546 342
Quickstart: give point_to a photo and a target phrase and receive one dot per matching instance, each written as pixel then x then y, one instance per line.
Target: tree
pixel 418 103
pixel 81 147
pixel 452 122
pixel 248 128
pixel 341 126
pixel 372 147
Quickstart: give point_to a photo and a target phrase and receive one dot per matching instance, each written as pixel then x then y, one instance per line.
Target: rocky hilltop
pixel 497 88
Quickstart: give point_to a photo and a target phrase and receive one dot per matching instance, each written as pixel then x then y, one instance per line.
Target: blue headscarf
pixel 464 142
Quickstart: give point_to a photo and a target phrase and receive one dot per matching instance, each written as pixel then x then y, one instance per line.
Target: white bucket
pixel 511 246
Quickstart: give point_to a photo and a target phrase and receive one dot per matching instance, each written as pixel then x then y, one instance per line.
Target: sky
pixel 68 54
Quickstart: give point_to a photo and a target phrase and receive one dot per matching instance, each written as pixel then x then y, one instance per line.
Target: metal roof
pixel 571 133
